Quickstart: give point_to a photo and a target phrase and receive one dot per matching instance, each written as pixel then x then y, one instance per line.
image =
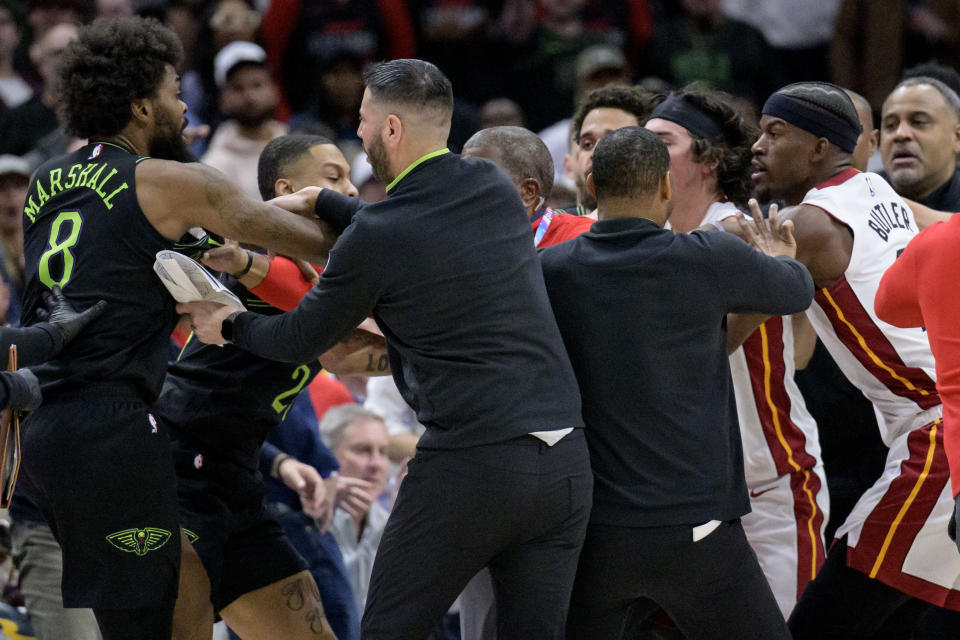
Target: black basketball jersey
pixel 227 399
pixel 84 230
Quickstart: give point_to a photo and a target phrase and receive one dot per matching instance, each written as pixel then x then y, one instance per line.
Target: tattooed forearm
pixel 266 225
pixel 379 364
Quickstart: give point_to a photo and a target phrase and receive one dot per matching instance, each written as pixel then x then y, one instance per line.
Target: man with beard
pixel 248 97
pixel 447 266
pixel 96 463
pixel 892 553
pixel 604 110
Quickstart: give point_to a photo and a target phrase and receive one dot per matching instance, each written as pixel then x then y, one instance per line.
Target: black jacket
pixel 642 312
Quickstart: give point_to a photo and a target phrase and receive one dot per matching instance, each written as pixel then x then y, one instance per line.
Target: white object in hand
pixel 188 281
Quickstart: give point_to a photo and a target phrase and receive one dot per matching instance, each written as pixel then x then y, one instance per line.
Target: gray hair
pixel 949 95
pixel 336 420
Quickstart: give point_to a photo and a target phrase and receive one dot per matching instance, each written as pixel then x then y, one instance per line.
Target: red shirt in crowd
pixel 558 227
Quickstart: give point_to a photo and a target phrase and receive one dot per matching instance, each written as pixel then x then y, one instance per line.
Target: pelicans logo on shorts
pixel 139 541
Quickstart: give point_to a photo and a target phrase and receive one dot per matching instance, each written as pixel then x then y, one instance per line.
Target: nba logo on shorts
pixel 96 152
pixel 153 423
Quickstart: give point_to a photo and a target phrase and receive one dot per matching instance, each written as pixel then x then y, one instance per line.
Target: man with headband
pixel 850 226
pixel 709 146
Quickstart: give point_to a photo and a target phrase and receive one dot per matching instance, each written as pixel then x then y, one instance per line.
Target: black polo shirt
pixel 642 312
pixel 447 266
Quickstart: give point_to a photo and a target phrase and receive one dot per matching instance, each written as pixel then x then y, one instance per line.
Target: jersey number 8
pixel 57 246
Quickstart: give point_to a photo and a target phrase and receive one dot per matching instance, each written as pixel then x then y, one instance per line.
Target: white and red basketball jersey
pixel 893 367
pixel 779 434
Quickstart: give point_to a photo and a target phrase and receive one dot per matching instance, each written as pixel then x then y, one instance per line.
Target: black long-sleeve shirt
pixel 447 265
pixel 35 344
pixel 642 312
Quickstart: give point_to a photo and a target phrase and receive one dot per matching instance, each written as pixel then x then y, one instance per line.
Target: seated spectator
pixel 14 90
pixel 358 439
pixel 248 97
pixel 22 127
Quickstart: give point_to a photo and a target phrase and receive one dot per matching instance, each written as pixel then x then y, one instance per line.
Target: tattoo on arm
pixel 241 214
pixel 380 365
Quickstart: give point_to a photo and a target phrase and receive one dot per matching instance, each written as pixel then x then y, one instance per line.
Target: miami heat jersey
pixel 779 434
pixel 892 366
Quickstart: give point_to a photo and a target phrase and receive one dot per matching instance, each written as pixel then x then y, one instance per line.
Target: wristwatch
pixel 226 327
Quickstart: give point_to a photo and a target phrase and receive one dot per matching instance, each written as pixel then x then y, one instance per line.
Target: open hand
pixel 768 235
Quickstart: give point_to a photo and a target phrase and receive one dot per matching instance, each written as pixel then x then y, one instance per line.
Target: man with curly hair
pixel 709 145
pixel 96 463
pixel 602 111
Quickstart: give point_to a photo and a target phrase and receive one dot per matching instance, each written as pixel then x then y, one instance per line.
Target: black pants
pixel 518 507
pixel 845 603
pixel 713 588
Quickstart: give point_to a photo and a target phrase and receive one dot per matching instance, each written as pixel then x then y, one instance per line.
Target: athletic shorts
pixel 785 529
pixel 222 513
pixel 897 532
pixel 98 467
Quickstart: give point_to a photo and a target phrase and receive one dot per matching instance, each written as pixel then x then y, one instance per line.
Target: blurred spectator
pixel 919 142
pixel 597 66
pixel 866 51
pixel 358 438
pixel 14 90
pixel 798 32
pixel 703 44
pixel 114 8
pixel 453 34
pixel 500 112
pixel 43 15
pixel 541 73
pixel 223 22
pixel 932 31
pixel 23 126
pixel 248 97
pixel 302 37
pixel 340 91
pixel 14 179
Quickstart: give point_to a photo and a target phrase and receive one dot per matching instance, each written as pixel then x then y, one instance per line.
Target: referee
pixel 446 264
pixel 654 375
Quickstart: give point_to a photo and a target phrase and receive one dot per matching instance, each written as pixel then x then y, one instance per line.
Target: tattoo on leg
pixel 302 594
pixel 296 598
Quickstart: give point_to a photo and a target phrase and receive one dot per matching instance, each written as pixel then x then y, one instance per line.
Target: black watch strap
pixel 226 327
